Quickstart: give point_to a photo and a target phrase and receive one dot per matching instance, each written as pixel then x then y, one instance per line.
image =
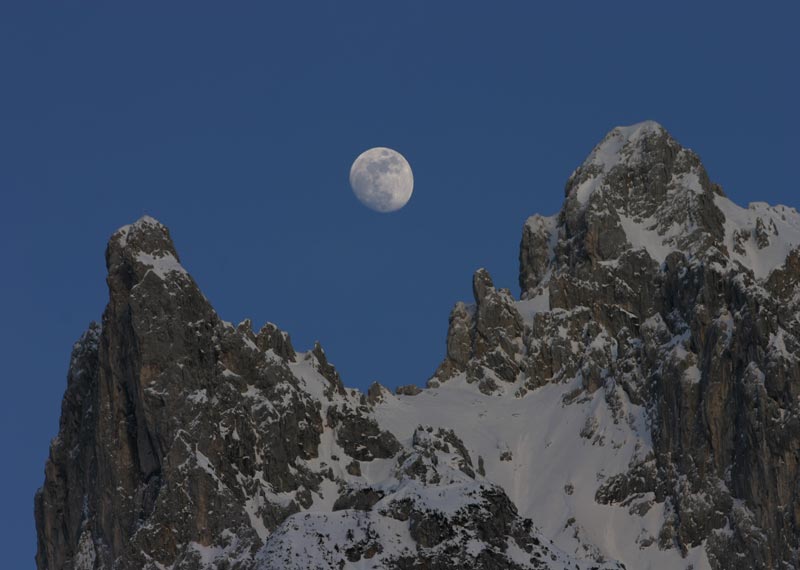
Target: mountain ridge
pixel 656 332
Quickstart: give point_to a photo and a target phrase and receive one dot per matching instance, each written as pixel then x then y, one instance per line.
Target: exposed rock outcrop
pixel 484 340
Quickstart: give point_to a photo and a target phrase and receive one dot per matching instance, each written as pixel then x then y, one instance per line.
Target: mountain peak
pixel 146 235
pixel 620 143
pixel 142 247
pixel 637 147
pixel 640 191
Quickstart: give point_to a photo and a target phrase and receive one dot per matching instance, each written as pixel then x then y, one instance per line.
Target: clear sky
pixel 235 124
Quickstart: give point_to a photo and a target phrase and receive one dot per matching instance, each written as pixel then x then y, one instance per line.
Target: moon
pixel 381 179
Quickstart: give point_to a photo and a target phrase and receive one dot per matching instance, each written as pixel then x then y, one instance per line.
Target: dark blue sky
pixel 235 124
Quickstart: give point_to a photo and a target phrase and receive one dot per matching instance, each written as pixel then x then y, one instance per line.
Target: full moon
pixel 381 179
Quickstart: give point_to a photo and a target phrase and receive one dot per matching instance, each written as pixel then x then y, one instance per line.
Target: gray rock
pixel 165 406
pixel 270 337
pixel 360 436
pixel 376 393
pixel 358 499
pixel 483 337
pixel 327 369
pixel 408 390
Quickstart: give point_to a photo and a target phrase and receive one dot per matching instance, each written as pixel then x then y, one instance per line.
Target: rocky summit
pixel 637 407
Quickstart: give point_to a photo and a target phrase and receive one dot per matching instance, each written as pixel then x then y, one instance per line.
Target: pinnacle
pixel 145 235
pixel 481 283
pixel 145 244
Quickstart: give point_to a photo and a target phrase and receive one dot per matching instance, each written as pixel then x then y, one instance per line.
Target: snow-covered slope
pixel 551 456
pixel 760 237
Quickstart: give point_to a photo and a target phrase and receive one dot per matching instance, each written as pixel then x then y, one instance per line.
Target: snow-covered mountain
pixel 638 407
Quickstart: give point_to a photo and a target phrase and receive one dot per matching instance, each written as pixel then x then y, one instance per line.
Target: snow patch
pixel 529 308
pixel 548 455
pixel 781 226
pixel 163 265
pixel 642 234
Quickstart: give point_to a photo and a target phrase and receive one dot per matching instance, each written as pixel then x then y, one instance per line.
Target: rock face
pixel 647 382
pixel 651 280
pixel 164 417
